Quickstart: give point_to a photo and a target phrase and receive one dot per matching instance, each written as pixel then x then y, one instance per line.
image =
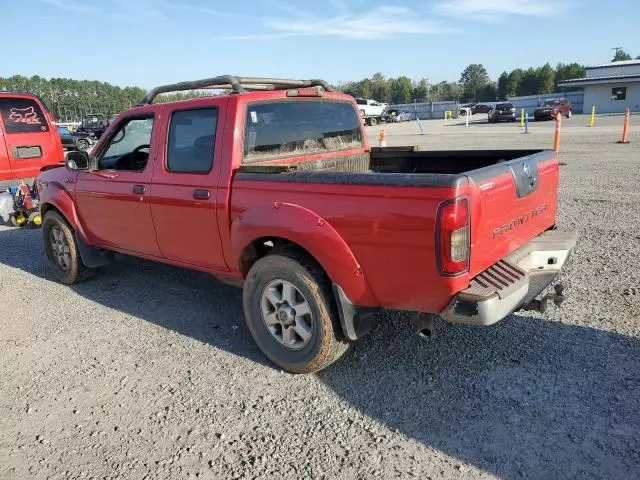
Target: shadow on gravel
pixel 524 398
pixel 188 302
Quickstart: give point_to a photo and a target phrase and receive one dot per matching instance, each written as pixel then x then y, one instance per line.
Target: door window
pixel 129 147
pixel 192 137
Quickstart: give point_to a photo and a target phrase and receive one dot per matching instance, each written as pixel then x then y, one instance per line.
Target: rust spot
pixel 276 205
pixel 321 222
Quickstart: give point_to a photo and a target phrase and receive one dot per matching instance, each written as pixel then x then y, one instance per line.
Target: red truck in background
pixel 28 138
pixel 274 187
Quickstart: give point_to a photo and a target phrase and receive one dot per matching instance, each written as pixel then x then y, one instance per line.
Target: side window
pixel 129 148
pixel 192 138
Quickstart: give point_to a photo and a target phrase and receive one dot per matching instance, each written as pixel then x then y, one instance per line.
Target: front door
pixel 113 200
pixel 184 188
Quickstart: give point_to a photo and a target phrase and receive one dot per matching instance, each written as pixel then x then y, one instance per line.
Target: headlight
pixel 513 110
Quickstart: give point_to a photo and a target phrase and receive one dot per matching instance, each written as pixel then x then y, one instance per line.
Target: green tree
pixel 515 79
pixel 380 88
pixel 488 93
pixel 620 56
pixel 503 86
pixel 567 72
pixel 401 90
pixel 545 79
pixel 421 91
pixel 473 79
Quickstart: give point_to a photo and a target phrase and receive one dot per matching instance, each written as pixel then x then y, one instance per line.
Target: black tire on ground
pixel 82 144
pixel 373 121
pixel 61 248
pixel 569 114
pixel 325 343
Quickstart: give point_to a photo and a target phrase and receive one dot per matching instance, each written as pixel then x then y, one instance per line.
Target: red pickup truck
pixel 274 187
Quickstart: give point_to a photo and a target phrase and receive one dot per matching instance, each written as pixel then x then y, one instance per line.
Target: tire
pixel 61 248
pixel 373 121
pixel 82 144
pixel 309 288
pixel 569 114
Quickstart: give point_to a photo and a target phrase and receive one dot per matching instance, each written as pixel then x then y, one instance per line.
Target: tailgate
pixel 512 202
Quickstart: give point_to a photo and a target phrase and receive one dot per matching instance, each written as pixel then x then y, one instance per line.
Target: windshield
pixel 504 106
pixel 551 103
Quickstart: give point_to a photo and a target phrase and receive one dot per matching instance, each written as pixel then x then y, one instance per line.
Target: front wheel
pixel 62 251
pixel 291 313
pixel 82 144
pixel 569 114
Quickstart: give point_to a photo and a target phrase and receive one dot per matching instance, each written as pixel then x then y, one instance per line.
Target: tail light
pixel 453 237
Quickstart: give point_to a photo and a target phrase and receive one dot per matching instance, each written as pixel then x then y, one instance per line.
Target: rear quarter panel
pixel 389 229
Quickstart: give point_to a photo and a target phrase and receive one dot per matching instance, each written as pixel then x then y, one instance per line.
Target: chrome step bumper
pixel 513 281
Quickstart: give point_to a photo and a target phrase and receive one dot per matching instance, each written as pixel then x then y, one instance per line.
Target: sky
pixel 152 42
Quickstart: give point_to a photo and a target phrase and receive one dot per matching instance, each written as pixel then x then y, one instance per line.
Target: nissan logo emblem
pixel 527 169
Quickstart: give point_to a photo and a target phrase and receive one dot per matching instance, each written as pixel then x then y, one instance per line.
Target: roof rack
pixel 236 84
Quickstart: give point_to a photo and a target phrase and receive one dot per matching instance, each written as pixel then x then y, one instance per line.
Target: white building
pixel 611 87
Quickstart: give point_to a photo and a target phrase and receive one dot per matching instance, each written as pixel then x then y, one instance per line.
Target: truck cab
pixel 274 188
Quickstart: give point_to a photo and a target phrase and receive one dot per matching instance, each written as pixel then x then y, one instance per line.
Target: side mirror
pixel 77 160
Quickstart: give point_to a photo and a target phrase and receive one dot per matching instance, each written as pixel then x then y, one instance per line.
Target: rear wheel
pixel 291 313
pixel 62 251
pixel 373 121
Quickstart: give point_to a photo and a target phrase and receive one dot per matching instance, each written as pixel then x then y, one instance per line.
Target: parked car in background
pixel 395 115
pixel 74 140
pixel 93 124
pixel 321 230
pixel 481 108
pixel 28 138
pixel 462 108
pixel 503 112
pixel 550 109
pixel 370 107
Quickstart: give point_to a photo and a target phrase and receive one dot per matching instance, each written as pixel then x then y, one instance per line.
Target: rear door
pixel 31 141
pixel 511 203
pixel 184 186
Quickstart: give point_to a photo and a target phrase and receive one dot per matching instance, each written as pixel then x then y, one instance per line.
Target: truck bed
pixel 400 166
pixel 391 197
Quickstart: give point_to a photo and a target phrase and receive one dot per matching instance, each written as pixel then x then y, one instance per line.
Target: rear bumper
pixel 512 282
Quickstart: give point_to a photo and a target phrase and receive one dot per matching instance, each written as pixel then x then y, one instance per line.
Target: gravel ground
pixel 147 371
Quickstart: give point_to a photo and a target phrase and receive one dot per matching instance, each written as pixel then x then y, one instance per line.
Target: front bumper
pixel 512 282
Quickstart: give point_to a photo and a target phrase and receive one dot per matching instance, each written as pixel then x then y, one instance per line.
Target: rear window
pixel 22 115
pixel 294 128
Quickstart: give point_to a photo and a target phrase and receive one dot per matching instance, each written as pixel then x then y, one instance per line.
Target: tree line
pixel 69 100
pixel 474 85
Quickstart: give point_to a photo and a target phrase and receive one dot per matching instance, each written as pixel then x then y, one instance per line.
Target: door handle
pixel 139 189
pixel 201 194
